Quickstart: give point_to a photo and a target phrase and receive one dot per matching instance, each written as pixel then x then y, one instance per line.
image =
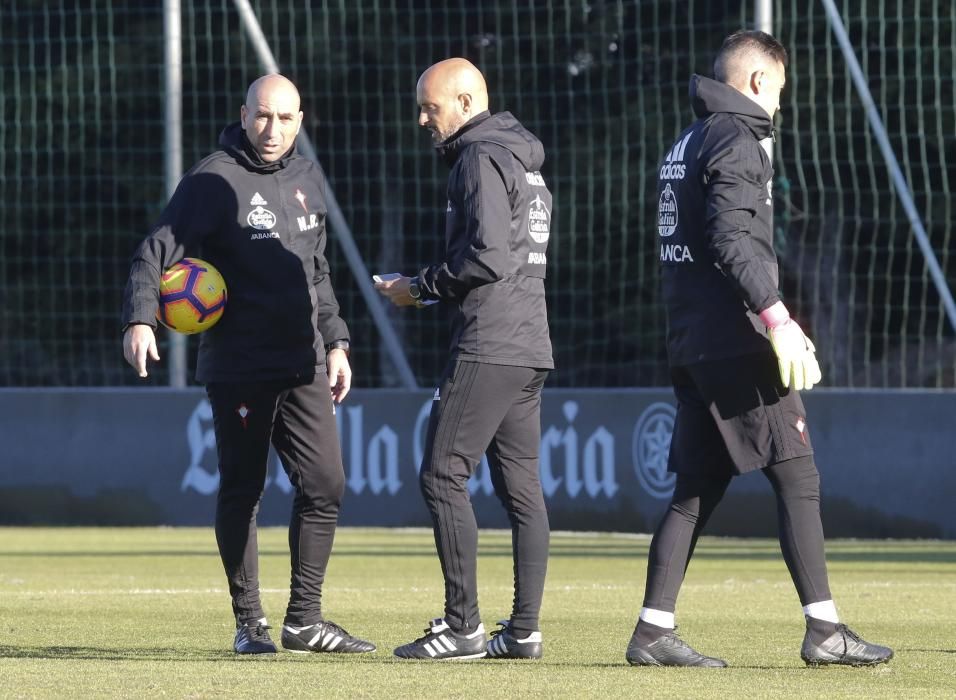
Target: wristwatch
pixel 338 345
pixel 415 289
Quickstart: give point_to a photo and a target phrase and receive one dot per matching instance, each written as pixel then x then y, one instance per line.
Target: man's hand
pixel 340 374
pixel 396 291
pixel 796 355
pixel 138 342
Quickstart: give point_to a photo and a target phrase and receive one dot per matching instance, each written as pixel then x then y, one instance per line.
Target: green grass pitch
pixel 144 613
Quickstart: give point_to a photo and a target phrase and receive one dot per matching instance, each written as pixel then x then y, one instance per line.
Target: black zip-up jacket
pixel 715 211
pixel 497 226
pixel 262 225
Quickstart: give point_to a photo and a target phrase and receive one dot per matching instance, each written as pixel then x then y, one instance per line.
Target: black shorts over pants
pixel 734 416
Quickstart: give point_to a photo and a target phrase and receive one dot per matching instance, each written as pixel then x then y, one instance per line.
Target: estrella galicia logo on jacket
pixel 539 220
pixel 261 219
pixel 667 212
pixel 667 220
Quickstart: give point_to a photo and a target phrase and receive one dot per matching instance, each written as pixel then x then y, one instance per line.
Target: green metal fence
pixel 602 83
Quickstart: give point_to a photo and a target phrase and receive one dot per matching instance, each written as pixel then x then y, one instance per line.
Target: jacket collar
pixel 234 141
pixel 450 148
pixel 711 97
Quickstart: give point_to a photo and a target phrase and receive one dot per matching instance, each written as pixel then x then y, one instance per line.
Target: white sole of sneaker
pixel 469 657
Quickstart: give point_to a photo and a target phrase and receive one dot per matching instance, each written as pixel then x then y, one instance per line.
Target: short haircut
pixel 731 63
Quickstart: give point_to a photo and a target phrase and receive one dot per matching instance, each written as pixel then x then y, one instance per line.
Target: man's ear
pixel 242 116
pixel 756 81
pixel 465 102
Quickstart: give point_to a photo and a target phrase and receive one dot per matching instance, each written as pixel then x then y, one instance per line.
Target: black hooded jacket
pixel 262 225
pixel 715 210
pixel 497 226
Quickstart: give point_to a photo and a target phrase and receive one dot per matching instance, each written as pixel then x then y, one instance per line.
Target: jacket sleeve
pixel 189 215
pixel 733 182
pixel 480 255
pixel 330 324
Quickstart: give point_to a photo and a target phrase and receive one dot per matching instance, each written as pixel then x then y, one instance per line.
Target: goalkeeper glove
pixel 795 352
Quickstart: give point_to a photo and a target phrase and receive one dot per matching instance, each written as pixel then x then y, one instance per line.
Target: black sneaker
pixel 440 643
pixel 505 645
pixel 667 650
pixel 844 647
pixel 323 636
pixel 253 638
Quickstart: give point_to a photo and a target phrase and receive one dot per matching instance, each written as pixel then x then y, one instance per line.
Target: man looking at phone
pixel 498 222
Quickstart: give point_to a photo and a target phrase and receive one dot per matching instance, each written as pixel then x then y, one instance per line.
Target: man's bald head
pixel 449 94
pixel 755 64
pixel 454 77
pixel 271 116
pixel 269 85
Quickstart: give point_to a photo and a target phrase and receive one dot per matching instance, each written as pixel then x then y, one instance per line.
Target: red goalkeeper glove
pixel 795 352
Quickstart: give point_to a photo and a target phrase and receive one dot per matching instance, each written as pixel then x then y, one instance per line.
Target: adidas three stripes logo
pixel 440 645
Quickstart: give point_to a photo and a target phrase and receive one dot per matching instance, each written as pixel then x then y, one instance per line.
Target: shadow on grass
pixel 68 653
pixel 87 653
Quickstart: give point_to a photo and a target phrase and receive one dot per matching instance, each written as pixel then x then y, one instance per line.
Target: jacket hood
pixel 501 129
pixel 710 96
pixel 233 140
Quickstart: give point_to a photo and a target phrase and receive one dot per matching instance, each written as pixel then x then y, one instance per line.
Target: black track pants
pixel 796 483
pixel 496 410
pixel 298 420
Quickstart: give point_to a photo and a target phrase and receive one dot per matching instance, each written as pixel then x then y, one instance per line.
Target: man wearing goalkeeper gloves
pixel 737 357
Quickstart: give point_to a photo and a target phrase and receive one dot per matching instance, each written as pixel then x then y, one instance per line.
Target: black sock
pixel 302 623
pixel 819 629
pixel 465 631
pixel 647 633
pixel 520 632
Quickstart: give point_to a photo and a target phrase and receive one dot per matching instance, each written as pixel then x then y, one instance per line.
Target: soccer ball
pixel 192 296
